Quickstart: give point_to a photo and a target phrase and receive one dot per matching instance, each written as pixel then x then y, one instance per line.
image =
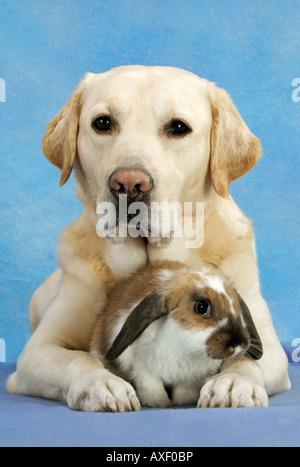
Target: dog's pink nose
pixel 133 183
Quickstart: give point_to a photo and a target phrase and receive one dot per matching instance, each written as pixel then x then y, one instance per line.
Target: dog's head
pixel 143 139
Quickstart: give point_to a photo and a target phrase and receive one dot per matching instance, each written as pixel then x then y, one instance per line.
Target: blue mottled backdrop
pixel 251 48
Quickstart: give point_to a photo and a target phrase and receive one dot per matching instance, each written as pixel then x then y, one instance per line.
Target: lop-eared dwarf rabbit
pixel 169 327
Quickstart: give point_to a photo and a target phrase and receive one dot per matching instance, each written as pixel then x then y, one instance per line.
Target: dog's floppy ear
pixel 151 308
pixel 60 139
pixel 234 149
pixel 255 350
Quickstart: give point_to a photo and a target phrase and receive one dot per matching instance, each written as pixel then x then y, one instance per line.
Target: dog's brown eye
pixel 202 307
pixel 178 128
pixel 102 123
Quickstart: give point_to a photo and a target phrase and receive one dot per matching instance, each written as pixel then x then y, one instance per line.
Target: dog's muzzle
pixel 132 210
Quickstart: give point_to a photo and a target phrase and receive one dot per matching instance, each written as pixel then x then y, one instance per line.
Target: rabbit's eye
pixel 202 307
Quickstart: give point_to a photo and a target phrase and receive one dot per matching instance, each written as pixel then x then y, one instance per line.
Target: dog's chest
pixel 126 257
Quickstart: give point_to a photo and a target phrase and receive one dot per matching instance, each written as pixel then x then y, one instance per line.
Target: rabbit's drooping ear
pixel 234 149
pixel 60 139
pixel 255 350
pixel 151 308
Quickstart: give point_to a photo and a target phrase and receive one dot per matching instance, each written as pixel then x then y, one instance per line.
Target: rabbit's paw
pixel 101 391
pixel 232 390
pixel 155 399
pixel 152 393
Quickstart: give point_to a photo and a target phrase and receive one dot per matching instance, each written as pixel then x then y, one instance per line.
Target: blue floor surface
pixel 27 421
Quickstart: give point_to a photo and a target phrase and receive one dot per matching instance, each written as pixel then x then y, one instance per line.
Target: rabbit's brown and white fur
pixel 168 347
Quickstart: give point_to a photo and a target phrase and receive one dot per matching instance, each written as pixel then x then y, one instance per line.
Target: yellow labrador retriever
pixel 144 135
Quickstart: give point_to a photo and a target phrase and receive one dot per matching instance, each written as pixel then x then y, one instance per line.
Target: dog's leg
pixel 55 363
pixel 42 298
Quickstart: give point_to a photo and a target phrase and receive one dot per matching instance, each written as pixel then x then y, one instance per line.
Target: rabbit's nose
pixel 237 341
pixel 224 344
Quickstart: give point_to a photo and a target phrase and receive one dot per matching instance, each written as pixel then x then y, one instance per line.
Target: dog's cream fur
pixel 142 102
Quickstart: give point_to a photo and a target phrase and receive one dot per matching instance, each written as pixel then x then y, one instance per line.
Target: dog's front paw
pixel 101 391
pixel 232 390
